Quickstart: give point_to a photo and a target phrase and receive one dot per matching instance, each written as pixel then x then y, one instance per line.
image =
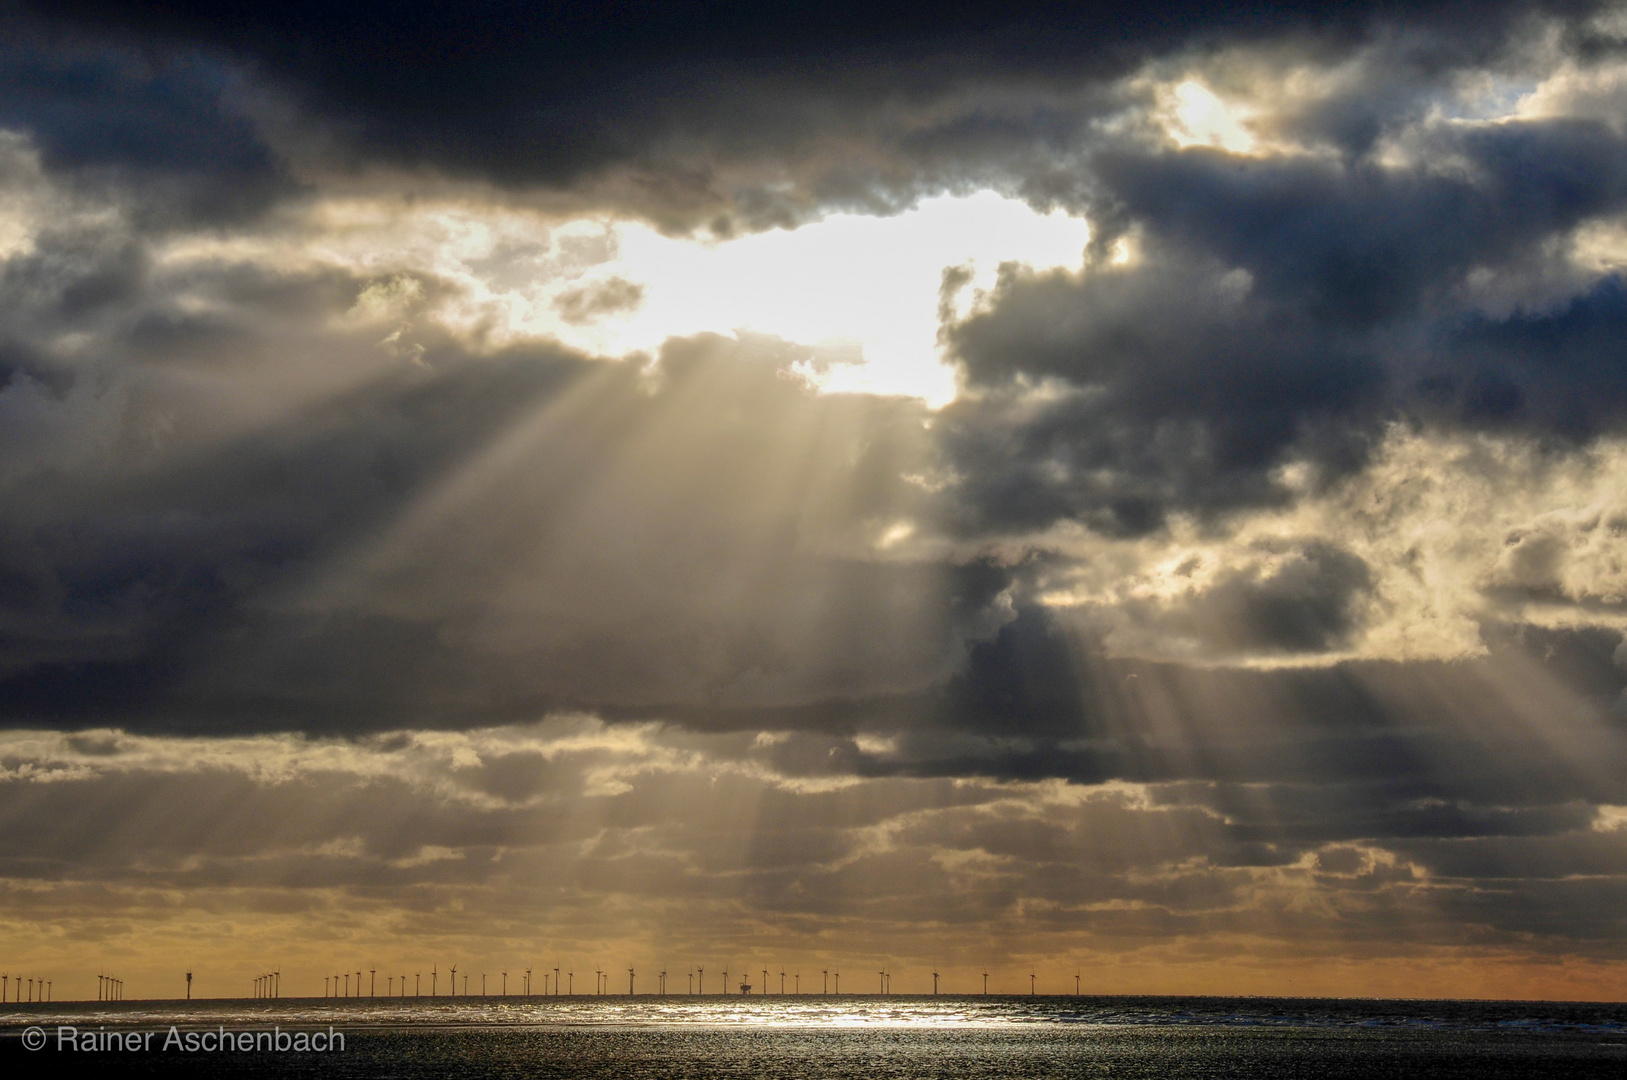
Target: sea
pixel 868 1037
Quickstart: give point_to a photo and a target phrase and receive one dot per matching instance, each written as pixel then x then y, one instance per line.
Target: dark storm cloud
pixel 1284 310
pixel 710 108
pixel 1561 374
pixel 169 128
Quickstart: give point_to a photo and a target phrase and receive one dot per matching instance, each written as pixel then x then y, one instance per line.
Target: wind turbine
pixel 629 981
pixel 434 980
pixel 465 984
pixel 826 973
pixel 277 984
pixel 700 977
pixel 797 983
pixel 782 982
pixel 527 982
pixel 189 986
pixel 570 984
pixel 838 975
pixel 417 984
pixel 372 981
pixel 985 984
pixel 505 982
pixel 1030 984
pixel 556 982
pixel 454 980
pixel 934 984
pixel 1076 984
pixel 482 984
pixel 765 980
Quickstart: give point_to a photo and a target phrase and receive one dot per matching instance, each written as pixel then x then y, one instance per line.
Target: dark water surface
pixel 810 1036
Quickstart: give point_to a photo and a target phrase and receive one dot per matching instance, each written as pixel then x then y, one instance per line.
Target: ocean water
pixel 814 1036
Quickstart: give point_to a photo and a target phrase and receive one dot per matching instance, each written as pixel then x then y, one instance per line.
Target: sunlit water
pixel 850 1036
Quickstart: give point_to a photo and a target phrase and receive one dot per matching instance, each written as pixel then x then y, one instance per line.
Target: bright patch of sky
pixel 862 289
pixel 1196 117
pixel 865 284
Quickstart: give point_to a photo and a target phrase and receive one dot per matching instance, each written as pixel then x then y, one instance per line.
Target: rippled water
pixel 851 1036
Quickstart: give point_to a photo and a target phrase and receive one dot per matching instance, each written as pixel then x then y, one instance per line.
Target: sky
pixel 1127 490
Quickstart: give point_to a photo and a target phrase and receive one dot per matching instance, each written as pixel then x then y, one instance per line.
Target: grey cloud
pixel 173 131
pixel 1295 599
pixel 604 298
pixel 690 114
pixel 1182 389
pixel 1284 311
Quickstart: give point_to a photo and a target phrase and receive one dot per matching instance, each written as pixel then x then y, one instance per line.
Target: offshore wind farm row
pixel 555 982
